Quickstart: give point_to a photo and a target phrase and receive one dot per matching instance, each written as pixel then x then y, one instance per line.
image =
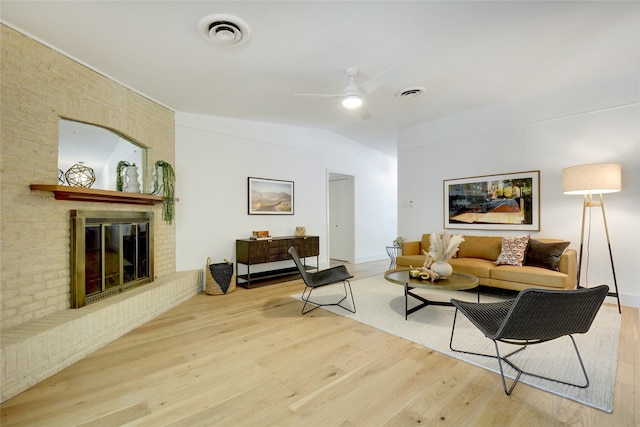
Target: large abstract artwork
pixel 508 201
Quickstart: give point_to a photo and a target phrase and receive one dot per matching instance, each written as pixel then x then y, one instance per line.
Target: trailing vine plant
pixel 121 165
pixel 168 188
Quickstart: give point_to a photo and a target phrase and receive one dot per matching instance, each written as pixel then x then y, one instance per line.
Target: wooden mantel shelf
pixel 63 192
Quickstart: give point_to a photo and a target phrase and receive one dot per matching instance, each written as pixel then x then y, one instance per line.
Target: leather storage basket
pixel 221 279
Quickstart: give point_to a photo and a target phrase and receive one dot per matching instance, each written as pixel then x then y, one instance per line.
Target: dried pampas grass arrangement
pixel 444 246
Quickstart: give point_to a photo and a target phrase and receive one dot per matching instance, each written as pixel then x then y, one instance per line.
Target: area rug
pixel 381 304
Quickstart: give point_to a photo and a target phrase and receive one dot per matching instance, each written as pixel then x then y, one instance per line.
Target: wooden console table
pixel 250 252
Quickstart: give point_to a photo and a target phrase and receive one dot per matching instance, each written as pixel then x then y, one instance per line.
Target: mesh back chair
pixel 533 317
pixel 322 278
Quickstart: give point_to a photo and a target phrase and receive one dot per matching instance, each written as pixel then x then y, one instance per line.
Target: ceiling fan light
pixel 352 101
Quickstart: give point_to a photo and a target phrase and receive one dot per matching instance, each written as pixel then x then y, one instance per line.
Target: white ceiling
pixel 465 54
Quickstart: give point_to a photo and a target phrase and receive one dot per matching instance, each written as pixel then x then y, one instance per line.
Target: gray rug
pixel 381 304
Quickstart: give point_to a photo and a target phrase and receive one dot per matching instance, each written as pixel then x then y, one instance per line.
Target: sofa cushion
pixel 535 276
pixel 411 248
pixel 545 255
pixel 513 250
pixel 426 243
pixel 485 247
pixel 479 267
pixel 410 261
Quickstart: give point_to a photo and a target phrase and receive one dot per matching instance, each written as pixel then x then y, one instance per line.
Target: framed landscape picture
pixel 508 201
pixel 270 197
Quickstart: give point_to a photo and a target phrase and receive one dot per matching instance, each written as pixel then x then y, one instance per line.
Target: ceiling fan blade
pixel 321 95
pixel 364 112
pixel 378 80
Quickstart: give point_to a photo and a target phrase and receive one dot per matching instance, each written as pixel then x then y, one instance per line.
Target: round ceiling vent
pixel 224 29
pixel 411 92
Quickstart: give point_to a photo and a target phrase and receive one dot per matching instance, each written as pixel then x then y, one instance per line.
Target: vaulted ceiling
pixel 466 55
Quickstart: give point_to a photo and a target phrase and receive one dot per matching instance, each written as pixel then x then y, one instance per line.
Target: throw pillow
pixel 513 251
pixel 545 255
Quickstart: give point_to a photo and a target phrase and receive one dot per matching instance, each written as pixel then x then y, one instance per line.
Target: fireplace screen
pixel 111 252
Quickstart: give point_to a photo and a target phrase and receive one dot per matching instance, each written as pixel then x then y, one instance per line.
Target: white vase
pixel 443 268
pixel 131 183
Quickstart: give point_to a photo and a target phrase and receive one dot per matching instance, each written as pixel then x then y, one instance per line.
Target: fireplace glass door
pixel 117 254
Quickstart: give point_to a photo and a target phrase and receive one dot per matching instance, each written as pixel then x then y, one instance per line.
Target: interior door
pixel 341 217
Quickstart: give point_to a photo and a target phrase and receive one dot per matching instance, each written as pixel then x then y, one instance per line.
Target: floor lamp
pixel 588 180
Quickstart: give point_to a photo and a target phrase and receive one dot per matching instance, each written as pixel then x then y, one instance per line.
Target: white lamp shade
pixel 592 179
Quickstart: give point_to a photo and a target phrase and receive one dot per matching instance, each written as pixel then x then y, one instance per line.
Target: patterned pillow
pixel 513 251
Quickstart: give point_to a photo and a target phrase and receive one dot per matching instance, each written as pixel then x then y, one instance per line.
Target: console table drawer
pixel 278 249
pixel 255 252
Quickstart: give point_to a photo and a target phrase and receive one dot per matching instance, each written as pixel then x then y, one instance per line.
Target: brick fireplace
pixel 40 332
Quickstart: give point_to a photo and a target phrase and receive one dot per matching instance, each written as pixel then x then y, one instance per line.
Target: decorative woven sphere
pixel 80 175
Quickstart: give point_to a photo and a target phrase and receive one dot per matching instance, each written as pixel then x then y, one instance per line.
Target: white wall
pixel 594 123
pixel 214 157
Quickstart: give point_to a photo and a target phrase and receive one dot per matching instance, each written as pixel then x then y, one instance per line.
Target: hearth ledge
pixel 35 350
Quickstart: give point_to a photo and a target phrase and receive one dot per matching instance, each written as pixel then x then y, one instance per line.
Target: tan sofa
pixel 477 256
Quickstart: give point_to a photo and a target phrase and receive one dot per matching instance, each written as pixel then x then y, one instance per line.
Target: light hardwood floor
pixel 250 359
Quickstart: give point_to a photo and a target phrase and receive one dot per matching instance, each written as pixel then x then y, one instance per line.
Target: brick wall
pixel 40 334
pixel 39 85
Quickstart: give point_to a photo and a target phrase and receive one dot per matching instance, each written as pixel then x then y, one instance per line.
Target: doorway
pixel 341 217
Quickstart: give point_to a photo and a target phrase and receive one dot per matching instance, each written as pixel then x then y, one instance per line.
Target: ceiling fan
pixel 353 95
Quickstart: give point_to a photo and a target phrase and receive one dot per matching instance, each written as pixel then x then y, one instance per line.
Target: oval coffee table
pixel 455 282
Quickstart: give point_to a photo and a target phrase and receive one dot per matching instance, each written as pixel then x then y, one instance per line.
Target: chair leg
pixel 500 359
pixel 453 328
pixel 353 302
pixel 504 383
pixel 515 367
pixel 575 347
pixel 307 300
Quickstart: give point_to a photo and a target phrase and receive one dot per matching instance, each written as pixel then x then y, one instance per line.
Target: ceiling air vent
pixel 411 92
pixel 224 29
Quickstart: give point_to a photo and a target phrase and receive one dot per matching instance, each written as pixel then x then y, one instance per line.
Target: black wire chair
pixel 322 278
pixel 533 317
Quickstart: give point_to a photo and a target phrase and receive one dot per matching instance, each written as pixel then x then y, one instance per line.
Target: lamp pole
pixel 590 203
